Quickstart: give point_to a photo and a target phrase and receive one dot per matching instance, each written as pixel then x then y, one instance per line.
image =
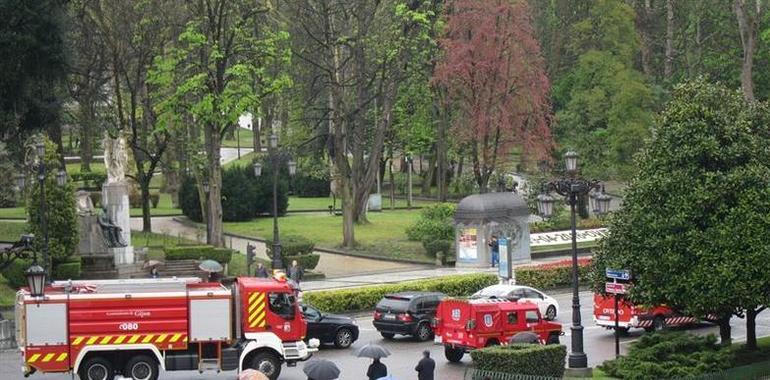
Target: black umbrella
pixel 374 351
pixel 321 369
pixel 525 337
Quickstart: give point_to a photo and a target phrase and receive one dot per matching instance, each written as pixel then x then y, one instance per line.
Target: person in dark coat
pixel 495 247
pixel 262 271
pixel 376 370
pixel 425 367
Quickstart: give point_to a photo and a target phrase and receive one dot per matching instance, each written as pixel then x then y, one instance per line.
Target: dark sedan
pixel 340 330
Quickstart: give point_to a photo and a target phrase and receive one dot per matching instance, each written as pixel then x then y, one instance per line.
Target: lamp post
pixel 36 163
pixel 275 159
pixel 572 187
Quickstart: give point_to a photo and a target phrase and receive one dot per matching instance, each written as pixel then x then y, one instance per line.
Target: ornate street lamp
pixel 276 158
pixel 572 187
pixel 36 280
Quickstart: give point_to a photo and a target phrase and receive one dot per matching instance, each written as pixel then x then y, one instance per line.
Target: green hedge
pixel 306 262
pixel 365 298
pixel 68 270
pixel 436 246
pixel 670 355
pixel 522 359
pixel 291 245
pixel 198 252
pixel 545 278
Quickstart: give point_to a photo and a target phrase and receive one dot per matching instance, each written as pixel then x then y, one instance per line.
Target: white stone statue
pixel 115 158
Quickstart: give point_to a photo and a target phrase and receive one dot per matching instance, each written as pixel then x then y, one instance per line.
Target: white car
pixel 548 306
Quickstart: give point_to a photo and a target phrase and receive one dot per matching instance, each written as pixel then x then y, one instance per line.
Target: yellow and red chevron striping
pixel 158 338
pixel 256 310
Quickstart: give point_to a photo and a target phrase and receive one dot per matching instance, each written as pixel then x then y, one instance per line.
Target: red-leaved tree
pixel 495 76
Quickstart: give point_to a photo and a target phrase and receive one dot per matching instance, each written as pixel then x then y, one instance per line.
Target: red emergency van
pixel 630 315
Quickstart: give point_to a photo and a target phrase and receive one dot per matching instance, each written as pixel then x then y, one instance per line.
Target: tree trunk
pixel 214 235
pixel 725 330
pixel 644 31
pixel 86 137
pixel 747 26
pixel 751 327
pixel 348 215
pixel 427 178
pixel 668 65
pixel 256 126
pixel 144 186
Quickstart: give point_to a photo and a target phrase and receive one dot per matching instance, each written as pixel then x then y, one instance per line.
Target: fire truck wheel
pixel 141 367
pixel 550 313
pixel 344 338
pixel 423 332
pixel 267 363
pixel 96 368
pixel 454 355
pixel 387 335
pixel 659 323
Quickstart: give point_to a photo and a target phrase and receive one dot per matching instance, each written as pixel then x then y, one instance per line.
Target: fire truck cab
pixel 135 327
pixel 463 325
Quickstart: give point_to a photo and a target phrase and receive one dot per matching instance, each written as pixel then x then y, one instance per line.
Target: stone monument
pixel 115 196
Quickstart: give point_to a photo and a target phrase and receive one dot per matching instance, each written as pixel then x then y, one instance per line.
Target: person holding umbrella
pixel 376 370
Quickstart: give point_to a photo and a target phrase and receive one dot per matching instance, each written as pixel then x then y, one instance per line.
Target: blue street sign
pixel 618 274
pixel 503 263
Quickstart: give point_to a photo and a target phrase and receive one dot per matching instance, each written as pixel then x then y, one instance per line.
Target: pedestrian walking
pixel 261 271
pixel 295 272
pixel 376 370
pixel 425 367
pixel 495 245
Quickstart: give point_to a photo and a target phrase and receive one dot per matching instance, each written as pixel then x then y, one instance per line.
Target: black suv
pixel 407 313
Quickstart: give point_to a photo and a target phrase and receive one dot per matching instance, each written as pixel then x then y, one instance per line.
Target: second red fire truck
pixel 635 316
pixel 134 328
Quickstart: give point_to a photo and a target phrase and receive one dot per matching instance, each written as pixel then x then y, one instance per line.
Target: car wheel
pixel 550 313
pixel 387 335
pixel 97 368
pixel 423 333
pixel 552 339
pixel 622 331
pixel 454 355
pixel 268 364
pixel 344 338
pixel 141 367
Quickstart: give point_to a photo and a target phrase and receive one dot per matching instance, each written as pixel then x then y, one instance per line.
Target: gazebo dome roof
pixel 503 207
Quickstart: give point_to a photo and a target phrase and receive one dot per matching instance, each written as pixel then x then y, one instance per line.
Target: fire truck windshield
pixel 283 304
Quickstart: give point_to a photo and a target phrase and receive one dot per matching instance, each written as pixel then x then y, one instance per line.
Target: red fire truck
pixel 462 325
pixel 99 329
pixel 630 315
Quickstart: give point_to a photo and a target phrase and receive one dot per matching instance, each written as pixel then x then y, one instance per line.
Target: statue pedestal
pixel 115 199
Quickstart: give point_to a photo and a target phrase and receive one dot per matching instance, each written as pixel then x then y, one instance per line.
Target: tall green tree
pixel 211 75
pixel 693 225
pixel 32 63
pixel 604 105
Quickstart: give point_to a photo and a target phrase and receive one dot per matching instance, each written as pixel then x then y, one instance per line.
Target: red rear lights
pixel 404 317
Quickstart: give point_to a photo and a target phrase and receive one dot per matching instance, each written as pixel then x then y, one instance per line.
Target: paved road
pixel 598 342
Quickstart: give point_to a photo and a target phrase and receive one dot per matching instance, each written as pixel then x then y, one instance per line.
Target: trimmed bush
pixel 365 298
pixel 189 201
pixel 14 273
pixel 154 199
pixel 553 275
pixel 67 270
pixel 436 246
pixel 670 355
pixel 304 185
pixel 435 223
pixel 291 245
pixel 199 252
pixel 306 262
pixel 522 359
pixel 91 180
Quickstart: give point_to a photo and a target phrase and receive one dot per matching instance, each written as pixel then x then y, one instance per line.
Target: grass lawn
pixel 323 203
pixel 384 236
pixel 11 231
pixel 561 247
pixel 164 209
pixel 7 294
pixel 245 160
pixel 246 139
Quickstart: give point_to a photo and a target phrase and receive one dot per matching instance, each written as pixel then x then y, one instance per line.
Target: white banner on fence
pixel 563 237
